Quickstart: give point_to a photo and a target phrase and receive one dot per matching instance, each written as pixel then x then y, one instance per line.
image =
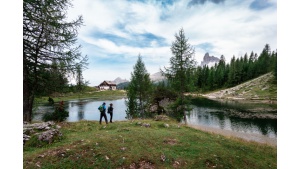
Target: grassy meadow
pixel 127 144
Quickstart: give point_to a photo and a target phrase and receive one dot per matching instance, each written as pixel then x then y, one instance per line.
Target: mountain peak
pixel 209 60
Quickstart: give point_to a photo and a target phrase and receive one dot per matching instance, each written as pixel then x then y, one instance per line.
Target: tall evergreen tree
pixel 47 36
pixel 274 65
pixel 80 83
pixel 264 60
pixel 220 72
pixel 182 65
pixel 232 74
pixel 138 91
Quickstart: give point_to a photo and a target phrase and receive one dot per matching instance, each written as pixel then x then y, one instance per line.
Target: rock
pixel 163 158
pixel 166 125
pixel 25 138
pixel 146 125
pixel 38 126
pixel 161 118
pixel 46 131
pixel 49 136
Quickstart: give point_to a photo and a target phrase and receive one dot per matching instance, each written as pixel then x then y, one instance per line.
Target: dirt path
pixel 244 136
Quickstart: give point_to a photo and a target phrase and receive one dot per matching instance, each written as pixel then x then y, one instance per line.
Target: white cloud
pixel 231 27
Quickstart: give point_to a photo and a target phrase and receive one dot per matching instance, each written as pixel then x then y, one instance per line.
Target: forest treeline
pixel 183 75
pixel 237 71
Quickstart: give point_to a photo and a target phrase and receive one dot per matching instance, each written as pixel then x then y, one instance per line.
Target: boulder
pixel 49 136
pixel 45 131
pixel 146 125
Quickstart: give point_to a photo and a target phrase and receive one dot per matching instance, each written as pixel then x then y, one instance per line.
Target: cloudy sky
pixel 116 32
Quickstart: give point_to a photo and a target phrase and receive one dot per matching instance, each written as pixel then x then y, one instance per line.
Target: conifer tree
pixel 47 36
pixel 139 91
pixel 182 66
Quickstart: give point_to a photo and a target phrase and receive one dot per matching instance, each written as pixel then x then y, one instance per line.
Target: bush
pixel 59 115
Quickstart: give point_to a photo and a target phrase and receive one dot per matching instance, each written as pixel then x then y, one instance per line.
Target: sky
pixel 116 32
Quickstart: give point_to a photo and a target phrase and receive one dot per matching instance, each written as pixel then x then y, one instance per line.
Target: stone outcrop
pixel 46 132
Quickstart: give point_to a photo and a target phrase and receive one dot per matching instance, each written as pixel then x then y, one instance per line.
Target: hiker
pixel 102 109
pixel 110 111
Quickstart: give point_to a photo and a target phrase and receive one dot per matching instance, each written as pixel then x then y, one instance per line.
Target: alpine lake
pixel 252 121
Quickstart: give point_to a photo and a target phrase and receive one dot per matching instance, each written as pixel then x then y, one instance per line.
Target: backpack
pixel 101 108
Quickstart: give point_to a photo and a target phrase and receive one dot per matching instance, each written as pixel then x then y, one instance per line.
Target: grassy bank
pixel 261 88
pixel 126 144
pixel 108 95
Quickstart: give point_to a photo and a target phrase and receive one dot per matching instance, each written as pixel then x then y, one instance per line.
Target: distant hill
pixel 156 77
pixel 118 80
pixel 122 85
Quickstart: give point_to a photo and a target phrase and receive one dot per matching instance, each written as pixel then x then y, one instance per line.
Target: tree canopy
pixel 49 40
pixel 139 91
pixel 180 73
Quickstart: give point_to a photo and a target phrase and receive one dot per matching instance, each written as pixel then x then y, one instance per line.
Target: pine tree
pixel 264 60
pixel 220 72
pixel 47 36
pixel 232 78
pixel 138 91
pixel 182 66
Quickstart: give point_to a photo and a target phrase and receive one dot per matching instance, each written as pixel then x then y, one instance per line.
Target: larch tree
pixel 47 36
pixel 139 91
pixel 182 66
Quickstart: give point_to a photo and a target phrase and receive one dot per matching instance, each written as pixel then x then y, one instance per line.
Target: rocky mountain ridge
pixel 209 60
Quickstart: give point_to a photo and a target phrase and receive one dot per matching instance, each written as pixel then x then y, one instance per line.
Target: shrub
pixel 59 115
pixel 51 101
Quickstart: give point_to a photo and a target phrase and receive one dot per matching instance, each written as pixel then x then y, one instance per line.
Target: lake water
pixel 235 116
pixel 86 110
pixel 249 121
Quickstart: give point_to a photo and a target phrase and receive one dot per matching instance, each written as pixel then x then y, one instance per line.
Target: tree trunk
pixel 27 97
pixel 183 109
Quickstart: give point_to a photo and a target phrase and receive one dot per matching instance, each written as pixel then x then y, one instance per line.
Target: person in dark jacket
pixel 110 111
pixel 102 114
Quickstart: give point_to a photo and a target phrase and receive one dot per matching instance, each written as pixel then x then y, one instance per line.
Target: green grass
pixel 109 94
pixel 86 144
pixel 262 88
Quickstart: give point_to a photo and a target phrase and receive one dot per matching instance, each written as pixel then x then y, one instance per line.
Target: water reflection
pixel 209 113
pixel 80 111
pixel 219 116
pixel 86 109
